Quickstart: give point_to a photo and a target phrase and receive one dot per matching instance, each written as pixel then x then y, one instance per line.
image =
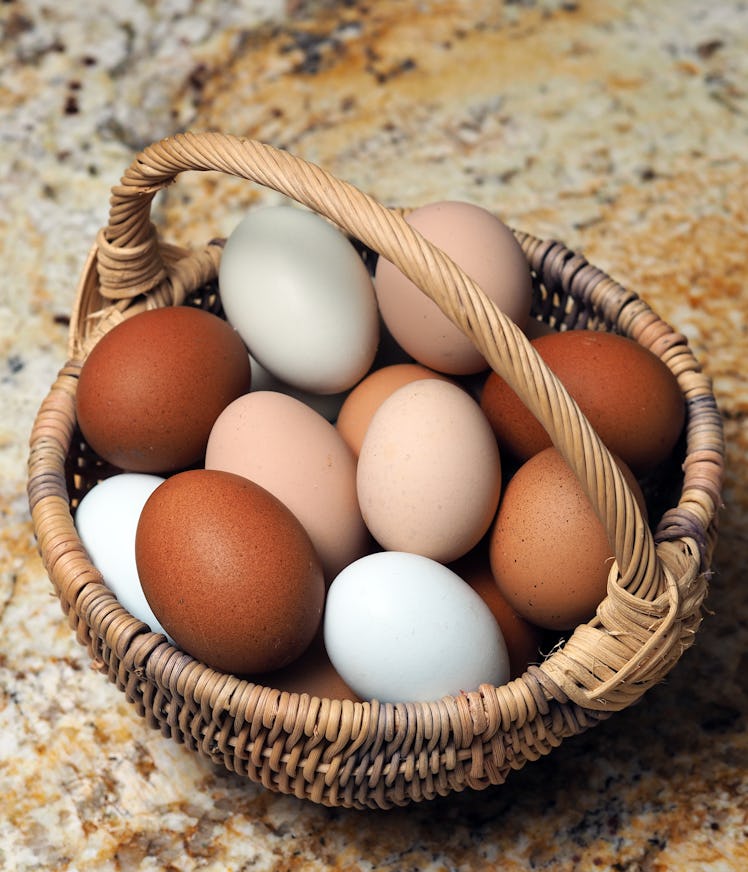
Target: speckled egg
pixel 359 406
pixel 429 472
pixel 549 553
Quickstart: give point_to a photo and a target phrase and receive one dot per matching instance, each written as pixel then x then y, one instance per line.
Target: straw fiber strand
pixel 369 754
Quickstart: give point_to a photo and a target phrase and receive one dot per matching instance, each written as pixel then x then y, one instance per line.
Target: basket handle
pixel 130 264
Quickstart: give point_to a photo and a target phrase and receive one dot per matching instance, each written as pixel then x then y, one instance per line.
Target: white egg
pixel 106 520
pixel 400 627
pixel 298 294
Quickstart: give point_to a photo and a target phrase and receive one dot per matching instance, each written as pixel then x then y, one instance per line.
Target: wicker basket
pixel 361 754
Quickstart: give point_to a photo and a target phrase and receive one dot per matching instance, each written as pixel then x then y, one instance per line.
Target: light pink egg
pixel 289 449
pixel 487 251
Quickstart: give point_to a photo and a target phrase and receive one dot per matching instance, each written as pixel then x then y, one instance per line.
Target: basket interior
pixel 553 306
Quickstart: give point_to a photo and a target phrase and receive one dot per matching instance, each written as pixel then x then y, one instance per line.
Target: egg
pixel 549 553
pixel 523 639
pixel 152 387
pixel 301 298
pixel 106 520
pixel 627 393
pixel 429 474
pixel 229 571
pixel 359 406
pixel 292 451
pixel 487 251
pixel 400 627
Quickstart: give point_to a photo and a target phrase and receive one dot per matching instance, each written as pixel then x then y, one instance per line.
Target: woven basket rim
pixel 351 764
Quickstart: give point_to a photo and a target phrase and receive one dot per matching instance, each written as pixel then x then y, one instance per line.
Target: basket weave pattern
pixel 366 753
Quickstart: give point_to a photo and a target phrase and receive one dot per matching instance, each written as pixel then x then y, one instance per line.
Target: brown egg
pixel 549 553
pixel 626 392
pixel 359 406
pixel 522 638
pixel 229 571
pixel 151 389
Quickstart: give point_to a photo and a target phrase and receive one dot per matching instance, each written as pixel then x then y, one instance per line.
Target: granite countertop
pixel 620 127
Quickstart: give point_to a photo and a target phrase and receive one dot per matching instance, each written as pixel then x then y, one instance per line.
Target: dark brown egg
pixel 550 555
pixel 151 389
pixel 229 571
pixel 626 392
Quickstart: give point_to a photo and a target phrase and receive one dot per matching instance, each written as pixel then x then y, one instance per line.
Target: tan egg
pixel 292 451
pixel 229 571
pixel 362 402
pixel 151 389
pixel 627 393
pixel 549 553
pixel 487 251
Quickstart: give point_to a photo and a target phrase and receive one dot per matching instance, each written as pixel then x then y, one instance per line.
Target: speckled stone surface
pixel 619 127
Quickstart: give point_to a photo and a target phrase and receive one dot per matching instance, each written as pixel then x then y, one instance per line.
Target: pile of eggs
pixel 328 491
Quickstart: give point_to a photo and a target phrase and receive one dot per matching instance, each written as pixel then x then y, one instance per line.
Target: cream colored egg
pixel 429 471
